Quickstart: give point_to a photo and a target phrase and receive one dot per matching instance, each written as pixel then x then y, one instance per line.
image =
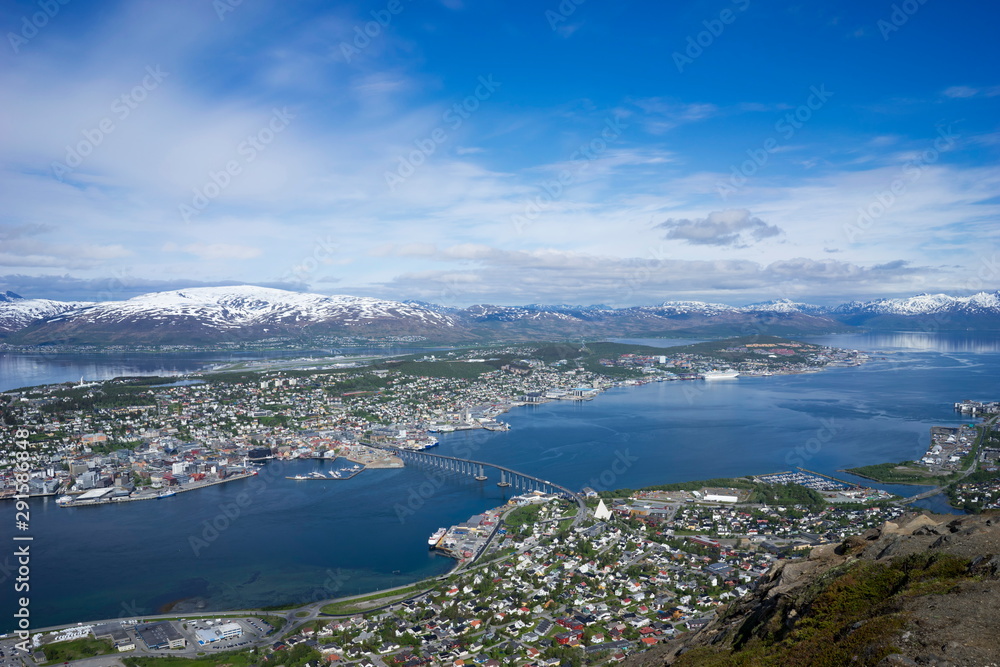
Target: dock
pixel 325 478
pixel 151 496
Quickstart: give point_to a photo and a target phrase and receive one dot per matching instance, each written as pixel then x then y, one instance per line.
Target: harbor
pixel 107 495
pixel 331 476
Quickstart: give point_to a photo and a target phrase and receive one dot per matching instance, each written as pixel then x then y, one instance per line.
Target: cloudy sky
pixel 471 151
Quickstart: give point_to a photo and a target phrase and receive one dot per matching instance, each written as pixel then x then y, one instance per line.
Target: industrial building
pixel 160 635
pixel 116 634
pixel 219 633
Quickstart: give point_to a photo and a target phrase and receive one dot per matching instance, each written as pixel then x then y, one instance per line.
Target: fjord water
pixel 292 542
pixel 29 369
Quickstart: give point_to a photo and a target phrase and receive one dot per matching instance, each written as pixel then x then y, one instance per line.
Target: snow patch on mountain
pixel 783 306
pixel 247 305
pixel 16 312
pixel 926 304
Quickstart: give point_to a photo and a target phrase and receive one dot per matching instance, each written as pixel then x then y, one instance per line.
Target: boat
pixel 727 374
pixel 167 494
pixel 64 500
pixel 433 540
pixel 297 477
pixel 494 425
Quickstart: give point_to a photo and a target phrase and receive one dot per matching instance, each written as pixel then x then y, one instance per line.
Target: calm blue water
pixel 19 369
pixel 295 541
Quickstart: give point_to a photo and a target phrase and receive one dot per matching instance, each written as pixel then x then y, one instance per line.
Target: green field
pixel 771 494
pixel 76 650
pixel 440 369
pixel 905 472
pixel 360 605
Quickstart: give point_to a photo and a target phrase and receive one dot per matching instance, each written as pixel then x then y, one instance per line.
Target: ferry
pixel 436 537
pixel 727 374
pixel 167 494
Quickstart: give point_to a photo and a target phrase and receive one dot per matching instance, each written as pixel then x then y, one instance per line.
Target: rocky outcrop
pixel 924 590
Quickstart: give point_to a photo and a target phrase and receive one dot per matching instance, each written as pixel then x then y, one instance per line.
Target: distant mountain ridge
pixel 16 312
pixel 206 315
pixel 926 311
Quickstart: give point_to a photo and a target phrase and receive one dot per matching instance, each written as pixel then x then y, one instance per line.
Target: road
pixel 987 426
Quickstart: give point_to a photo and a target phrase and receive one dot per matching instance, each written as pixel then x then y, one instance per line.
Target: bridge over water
pixel 507 477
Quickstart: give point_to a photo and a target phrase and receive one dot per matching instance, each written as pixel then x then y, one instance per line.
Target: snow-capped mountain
pixel 226 314
pixel 16 312
pixel 668 317
pixel 689 307
pixel 785 306
pixel 207 314
pixel 246 305
pixel 925 312
pixel 923 304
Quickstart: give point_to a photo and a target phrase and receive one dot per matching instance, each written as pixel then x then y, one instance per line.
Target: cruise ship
pixel 436 537
pixel 727 374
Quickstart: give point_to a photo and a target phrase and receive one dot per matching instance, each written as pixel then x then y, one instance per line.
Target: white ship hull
pixel 721 375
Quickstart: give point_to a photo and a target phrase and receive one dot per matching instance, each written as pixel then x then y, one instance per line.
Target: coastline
pixel 114 501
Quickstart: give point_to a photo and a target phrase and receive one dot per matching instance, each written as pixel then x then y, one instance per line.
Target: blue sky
pixel 465 152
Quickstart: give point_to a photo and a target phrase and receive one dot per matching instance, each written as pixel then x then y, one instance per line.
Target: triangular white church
pixel 602 512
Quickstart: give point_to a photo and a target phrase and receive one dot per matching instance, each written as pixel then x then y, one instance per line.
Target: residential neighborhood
pixel 549 593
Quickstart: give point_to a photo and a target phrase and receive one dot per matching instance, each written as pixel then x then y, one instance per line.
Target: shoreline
pixel 612 384
pixel 114 501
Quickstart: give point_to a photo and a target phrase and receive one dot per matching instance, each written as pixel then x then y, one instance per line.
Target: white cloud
pixel 511 277
pixel 215 251
pixel 969 91
pixel 733 227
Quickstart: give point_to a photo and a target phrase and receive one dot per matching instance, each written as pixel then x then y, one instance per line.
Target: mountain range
pixel 207 315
